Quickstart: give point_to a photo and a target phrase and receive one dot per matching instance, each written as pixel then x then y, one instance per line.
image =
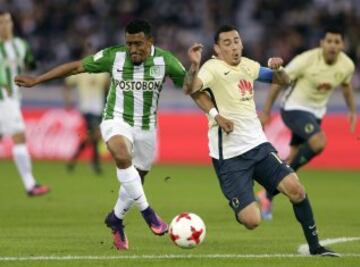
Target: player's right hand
pixel 25 81
pixel 225 124
pixel 194 53
pixel 264 118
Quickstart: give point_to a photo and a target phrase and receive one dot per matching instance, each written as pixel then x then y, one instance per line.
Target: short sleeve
pixel 348 77
pixel 296 67
pixel 175 70
pixel 206 75
pixel 99 62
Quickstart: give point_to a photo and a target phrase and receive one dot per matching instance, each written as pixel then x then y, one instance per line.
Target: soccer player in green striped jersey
pixel 15 55
pixel 138 70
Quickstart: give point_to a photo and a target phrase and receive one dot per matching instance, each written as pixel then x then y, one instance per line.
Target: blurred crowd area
pixel 56 29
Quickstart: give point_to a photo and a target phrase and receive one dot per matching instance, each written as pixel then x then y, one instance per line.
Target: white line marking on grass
pixel 304 248
pixel 160 257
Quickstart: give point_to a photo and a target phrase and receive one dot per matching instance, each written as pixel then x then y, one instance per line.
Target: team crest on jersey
pixel 339 76
pixel 155 72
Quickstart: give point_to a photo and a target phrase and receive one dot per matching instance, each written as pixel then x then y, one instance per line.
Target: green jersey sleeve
pixel 100 62
pixel 175 70
pixel 206 74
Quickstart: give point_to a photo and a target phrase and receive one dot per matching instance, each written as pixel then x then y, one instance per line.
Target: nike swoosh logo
pixel 312 227
pixel 226 73
pixel 118 70
pixel 137 198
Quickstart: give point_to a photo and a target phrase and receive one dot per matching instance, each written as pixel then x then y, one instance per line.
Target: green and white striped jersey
pixel 135 89
pixel 15 54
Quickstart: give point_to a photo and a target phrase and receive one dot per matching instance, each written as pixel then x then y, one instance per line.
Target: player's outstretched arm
pixel 204 102
pixel 279 77
pixel 349 99
pixel 63 70
pixel 191 83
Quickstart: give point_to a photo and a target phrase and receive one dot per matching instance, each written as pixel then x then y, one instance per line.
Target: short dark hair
pixel 137 26
pixel 332 29
pixel 223 28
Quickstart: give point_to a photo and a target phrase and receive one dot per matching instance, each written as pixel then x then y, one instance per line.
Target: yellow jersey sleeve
pixel 297 66
pixel 251 67
pixel 348 77
pixel 206 75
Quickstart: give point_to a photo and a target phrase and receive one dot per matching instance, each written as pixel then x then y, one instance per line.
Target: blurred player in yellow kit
pixel 91 88
pixel 314 74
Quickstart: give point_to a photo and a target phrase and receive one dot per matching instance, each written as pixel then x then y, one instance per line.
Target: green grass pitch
pixel 69 221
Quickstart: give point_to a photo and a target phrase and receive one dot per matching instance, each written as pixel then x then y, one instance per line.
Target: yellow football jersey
pixel 314 81
pixel 232 89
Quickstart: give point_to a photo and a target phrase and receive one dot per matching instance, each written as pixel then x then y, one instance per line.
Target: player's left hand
pixel 352 119
pixel 275 63
pixel 225 124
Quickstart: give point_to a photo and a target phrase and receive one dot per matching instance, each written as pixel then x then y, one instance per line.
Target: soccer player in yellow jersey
pixel 91 88
pixel 314 74
pixel 240 152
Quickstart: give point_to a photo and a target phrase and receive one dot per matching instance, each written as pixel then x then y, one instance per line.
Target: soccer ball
pixel 187 230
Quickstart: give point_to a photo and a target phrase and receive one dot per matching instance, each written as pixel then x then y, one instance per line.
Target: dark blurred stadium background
pixel 56 30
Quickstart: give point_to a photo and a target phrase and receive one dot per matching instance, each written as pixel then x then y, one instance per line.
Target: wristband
pixel 213 113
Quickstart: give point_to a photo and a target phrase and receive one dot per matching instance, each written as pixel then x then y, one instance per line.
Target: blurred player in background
pixel 91 90
pixel 15 56
pixel 314 75
pixel 138 70
pixel 240 151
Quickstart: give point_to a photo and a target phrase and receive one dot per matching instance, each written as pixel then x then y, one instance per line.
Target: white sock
pixel 131 181
pixel 23 163
pixel 123 204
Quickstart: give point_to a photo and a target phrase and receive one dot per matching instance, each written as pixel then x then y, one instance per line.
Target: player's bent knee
pixel 297 194
pixel 251 225
pixel 250 216
pixel 292 188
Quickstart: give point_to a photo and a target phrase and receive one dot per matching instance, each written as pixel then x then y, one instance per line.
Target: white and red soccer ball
pixel 187 230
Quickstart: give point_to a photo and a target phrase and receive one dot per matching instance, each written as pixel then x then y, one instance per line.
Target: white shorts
pixel 144 142
pixel 11 119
